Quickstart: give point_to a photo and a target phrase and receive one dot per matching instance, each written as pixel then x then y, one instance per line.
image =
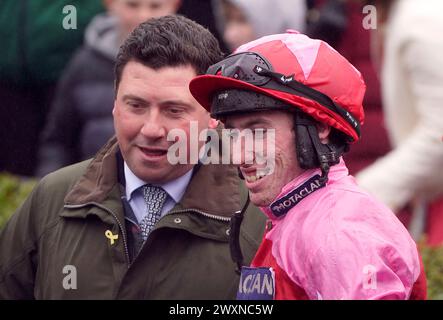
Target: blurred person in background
pixel 202 12
pixel 80 120
pixel 241 21
pixel 35 49
pixel 327 20
pixel 411 174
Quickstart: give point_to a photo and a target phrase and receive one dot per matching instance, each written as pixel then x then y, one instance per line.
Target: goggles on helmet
pixel 254 69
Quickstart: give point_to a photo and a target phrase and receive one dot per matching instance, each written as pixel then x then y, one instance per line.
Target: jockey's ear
pixel 323 132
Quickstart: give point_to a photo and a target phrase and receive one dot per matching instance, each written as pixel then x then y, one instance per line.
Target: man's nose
pixel 153 126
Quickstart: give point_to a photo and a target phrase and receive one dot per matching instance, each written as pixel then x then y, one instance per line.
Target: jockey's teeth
pixel 254 178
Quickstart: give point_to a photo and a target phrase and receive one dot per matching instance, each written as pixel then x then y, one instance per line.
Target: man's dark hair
pixel 169 41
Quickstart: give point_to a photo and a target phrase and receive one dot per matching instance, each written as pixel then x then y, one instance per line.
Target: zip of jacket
pixel 205 214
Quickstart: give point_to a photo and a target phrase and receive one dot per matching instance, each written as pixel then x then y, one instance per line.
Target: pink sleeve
pixel 362 264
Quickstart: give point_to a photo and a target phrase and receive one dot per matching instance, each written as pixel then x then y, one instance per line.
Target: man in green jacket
pixel 129 224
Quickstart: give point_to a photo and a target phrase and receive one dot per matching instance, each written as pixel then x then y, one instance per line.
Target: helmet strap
pixel 311 152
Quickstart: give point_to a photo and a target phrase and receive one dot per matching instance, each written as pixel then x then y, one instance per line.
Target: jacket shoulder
pixel 47 198
pixel 63 179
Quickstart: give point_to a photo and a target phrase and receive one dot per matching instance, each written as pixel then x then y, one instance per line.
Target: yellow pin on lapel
pixel 112 237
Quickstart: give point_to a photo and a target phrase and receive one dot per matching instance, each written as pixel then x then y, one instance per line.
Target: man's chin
pixel 154 174
pixel 259 199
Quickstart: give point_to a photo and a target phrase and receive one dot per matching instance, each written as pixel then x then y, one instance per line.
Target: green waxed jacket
pixel 58 244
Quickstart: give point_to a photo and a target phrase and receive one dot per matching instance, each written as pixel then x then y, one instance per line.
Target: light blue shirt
pixel 175 190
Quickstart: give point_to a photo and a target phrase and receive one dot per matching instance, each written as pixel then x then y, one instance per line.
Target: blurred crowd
pixel 57 85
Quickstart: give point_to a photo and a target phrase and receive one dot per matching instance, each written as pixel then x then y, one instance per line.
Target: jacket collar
pixel 99 185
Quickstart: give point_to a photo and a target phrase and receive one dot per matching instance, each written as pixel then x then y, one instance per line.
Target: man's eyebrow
pixel 132 97
pixel 178 102
pixel 250 123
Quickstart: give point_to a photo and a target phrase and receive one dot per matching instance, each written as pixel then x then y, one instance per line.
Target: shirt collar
pixel 175 188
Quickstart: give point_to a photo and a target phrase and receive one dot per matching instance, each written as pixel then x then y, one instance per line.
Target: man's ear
pixel 213 123
pixel 323 132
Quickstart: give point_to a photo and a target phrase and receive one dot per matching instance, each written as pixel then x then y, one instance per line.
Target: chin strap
pixel 234 236
pixel 311 152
